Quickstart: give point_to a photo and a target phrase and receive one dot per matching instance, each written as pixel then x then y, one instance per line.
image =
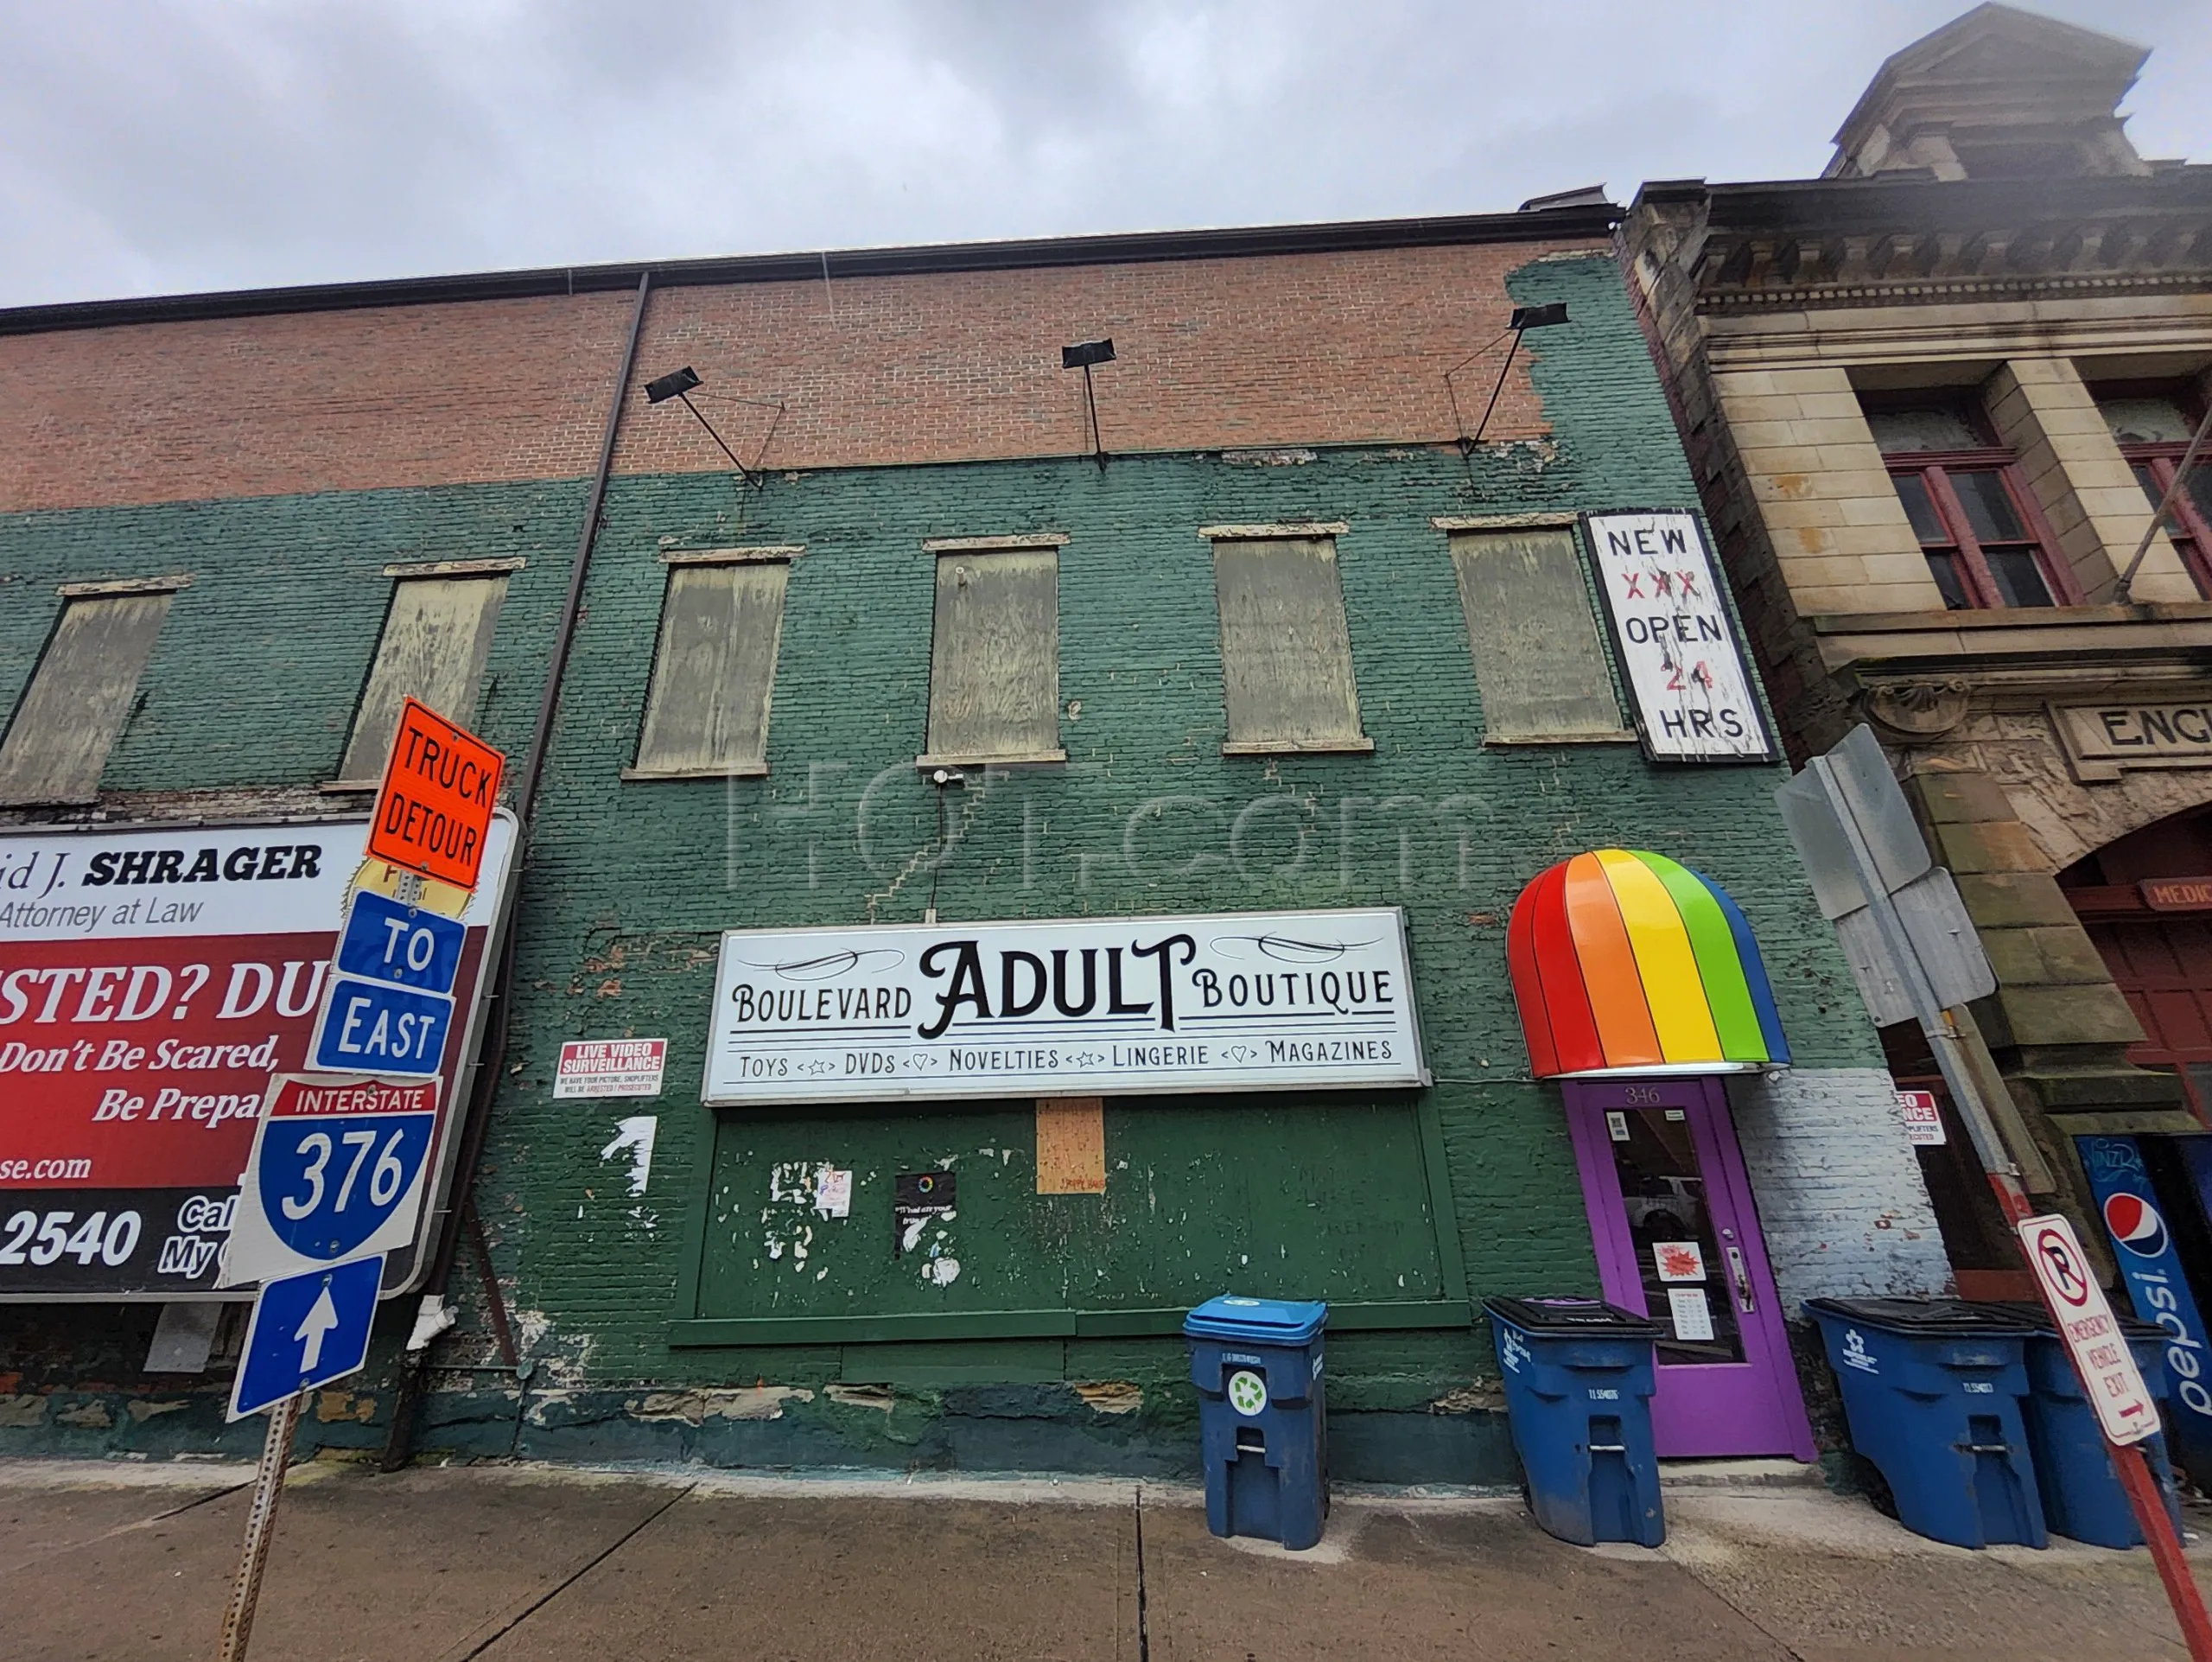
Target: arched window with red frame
pixel 1981 529
pixel 2152 426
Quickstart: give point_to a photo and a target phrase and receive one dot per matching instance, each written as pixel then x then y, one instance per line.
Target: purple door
pixel 1678 1239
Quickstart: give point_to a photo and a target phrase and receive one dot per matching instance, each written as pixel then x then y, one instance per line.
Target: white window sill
pixel 1029 759
pixel 732 770
pixel 1525 740
pixel 1358 747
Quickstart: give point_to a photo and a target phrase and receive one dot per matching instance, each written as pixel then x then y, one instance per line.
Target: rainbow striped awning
pixel 1625 962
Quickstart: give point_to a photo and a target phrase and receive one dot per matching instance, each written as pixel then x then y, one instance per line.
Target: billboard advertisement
pixel 153 980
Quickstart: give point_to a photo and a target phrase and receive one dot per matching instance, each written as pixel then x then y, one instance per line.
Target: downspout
pixel 492 1060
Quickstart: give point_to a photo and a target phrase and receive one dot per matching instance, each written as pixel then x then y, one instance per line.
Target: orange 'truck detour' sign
pixel 439 790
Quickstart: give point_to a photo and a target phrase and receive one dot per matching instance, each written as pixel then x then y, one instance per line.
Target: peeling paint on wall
pixel 1113 1397
pixel 635 1134
pixel 697 1407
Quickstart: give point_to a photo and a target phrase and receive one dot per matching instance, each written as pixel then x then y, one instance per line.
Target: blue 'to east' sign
pixel 369 1027
pixel 328 1184
pixel 403 945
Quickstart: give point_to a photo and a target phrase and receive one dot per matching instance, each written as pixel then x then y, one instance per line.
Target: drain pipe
pixel 435 1317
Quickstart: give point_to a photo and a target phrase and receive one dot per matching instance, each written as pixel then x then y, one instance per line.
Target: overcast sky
pixel 151 147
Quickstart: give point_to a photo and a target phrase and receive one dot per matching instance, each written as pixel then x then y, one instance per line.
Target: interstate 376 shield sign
pixel 336 1172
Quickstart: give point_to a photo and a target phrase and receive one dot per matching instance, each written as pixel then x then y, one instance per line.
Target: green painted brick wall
pixel 632 882
pixel 628 885
pixel 263 658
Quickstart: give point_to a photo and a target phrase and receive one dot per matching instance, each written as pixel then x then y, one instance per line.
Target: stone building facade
pixel 1931 399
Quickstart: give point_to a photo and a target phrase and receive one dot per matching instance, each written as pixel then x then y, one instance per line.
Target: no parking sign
pixel 2114 1387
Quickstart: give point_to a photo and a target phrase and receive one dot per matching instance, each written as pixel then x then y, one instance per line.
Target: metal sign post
pixel 260 1525
pixel 1819 837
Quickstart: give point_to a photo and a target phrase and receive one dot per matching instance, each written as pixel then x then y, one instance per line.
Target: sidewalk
pixel 504 1563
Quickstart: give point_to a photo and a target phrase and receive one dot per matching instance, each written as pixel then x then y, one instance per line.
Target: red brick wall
pixel 1289 349
pixel 343 400
pixel 1275 350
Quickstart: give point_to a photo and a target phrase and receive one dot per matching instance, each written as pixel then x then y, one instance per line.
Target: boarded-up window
pixel 73 710
pixel 437 638
pixel 1537 659
pixel 1285 657
pixel 707 714
pixel 994 661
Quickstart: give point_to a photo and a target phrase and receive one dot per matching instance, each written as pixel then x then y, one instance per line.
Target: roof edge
pixel 1578 222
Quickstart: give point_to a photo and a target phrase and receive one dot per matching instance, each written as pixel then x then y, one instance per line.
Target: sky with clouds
pixel 162 146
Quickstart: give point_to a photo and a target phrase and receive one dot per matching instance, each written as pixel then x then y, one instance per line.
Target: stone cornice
pixel 1820 296
pixel 1886 241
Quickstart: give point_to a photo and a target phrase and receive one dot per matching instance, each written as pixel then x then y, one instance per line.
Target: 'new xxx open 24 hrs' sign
pixel 435 810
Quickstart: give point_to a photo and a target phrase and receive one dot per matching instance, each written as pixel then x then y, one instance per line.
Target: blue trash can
pixel 1262 1422
pixel 1578 1393
pixel 2081 1496
pixel 1933 1388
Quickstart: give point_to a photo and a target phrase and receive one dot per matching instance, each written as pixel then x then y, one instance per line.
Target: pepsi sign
pixel 2136 1227
pixel 2143 1245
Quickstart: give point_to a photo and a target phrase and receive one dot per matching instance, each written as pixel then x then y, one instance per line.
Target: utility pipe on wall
pixel 492 1059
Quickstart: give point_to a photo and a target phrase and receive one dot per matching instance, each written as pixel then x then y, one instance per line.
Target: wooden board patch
pixel 1070 1145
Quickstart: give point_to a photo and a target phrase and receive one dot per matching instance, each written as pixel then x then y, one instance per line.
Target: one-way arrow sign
pixel 306 1331
pixel 321 1318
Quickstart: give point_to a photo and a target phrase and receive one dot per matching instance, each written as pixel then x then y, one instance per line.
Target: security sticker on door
pixel 336 1172
pixel 1679 1260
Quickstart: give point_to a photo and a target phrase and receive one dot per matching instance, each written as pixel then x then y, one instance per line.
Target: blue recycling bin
pixel 1578 1394
pixel 2081 1496
pixel 1263 1420
pixel 1933 1389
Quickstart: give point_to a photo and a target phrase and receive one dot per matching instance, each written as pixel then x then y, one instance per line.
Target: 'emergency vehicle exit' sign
pixel 2126 1411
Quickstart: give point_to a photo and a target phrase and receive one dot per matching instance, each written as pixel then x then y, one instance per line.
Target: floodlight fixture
pixel 1538 317
pixel 1082 355
pixel 1524 318
pixel 678 383
pixel 674 385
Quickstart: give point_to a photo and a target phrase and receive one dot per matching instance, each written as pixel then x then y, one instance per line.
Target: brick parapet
pixel 1320 348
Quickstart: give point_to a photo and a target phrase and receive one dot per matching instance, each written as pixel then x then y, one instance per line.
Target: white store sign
pixel 1695 699
pixel 1084 1007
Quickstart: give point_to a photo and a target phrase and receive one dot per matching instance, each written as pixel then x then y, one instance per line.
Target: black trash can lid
pixel 1573 1315
pixel 2039 1318
pixel 1932 1318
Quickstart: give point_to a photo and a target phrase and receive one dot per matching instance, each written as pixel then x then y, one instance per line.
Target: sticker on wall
pixel 1924 1120
pixel 591 1068
pixel 1693 1315
pixel 1679 1260
pixel 833 1192
pixel 1617 1124
pixel 917 1197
